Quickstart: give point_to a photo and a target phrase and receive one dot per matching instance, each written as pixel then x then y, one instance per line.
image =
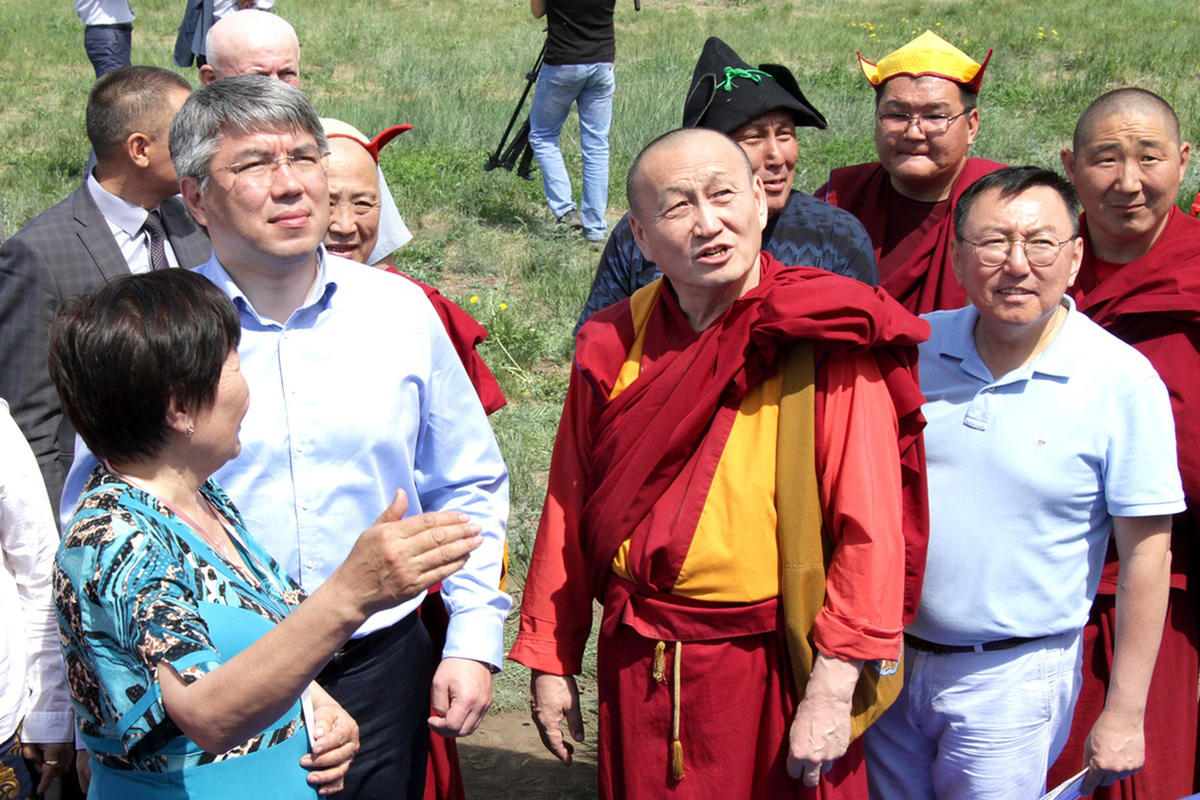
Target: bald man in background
pixel 1140 279
pixel 252 42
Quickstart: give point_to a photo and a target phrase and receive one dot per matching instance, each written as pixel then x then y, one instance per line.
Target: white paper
pixel 1068 789
pixel 306 709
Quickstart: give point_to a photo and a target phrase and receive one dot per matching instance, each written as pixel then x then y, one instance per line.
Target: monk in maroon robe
pixel 925 123
pixel 1140 279
pixel 668 501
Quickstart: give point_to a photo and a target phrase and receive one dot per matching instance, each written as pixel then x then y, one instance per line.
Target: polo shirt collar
pixel 1055 361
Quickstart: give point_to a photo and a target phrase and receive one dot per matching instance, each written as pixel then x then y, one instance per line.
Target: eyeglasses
pixel 930 124
pixel 1041 251
pixel 260 172
pixel 359 208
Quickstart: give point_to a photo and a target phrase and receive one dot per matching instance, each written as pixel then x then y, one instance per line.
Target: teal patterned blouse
pixel 133 584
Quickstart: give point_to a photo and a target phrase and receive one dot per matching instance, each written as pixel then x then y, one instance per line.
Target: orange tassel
pixel 659 669
pixel 677 760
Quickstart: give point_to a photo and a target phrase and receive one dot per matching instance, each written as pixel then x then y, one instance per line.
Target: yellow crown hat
pixel 928 54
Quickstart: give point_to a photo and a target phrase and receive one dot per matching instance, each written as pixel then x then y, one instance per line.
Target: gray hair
pixel 241 104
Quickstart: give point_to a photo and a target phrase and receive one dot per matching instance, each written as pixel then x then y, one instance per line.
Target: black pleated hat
pixel 726 92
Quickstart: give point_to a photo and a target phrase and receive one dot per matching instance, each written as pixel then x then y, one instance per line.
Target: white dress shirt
pixel 32 680
pixel 125 220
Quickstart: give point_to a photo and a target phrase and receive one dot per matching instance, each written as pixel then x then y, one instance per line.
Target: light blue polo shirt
pixel 1027 471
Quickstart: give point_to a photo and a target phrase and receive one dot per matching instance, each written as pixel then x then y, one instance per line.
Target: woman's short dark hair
pixel 120 355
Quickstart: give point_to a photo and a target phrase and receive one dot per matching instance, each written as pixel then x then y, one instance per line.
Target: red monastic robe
pixel 465 334
pixel 635 470
pixel 1153 303
pixel 925 281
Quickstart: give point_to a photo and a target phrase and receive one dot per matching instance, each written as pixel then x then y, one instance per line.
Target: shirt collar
pixel 320 299
pixel 117 210
pixel 1058 360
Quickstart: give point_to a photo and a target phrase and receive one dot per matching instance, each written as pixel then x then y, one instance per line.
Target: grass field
pixel 455 68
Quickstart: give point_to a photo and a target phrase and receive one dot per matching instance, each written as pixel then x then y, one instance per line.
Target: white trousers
pixel 976 726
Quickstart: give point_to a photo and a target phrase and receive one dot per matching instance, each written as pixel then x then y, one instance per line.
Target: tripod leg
pixel 496 159
pixel 514 148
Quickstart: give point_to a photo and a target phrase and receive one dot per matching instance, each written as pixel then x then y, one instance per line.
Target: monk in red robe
pixel 1140 279
pixel 925 123
pixel 691 469
pixel 354 229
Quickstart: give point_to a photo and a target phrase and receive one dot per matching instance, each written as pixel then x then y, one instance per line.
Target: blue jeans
pixel 591 87
pixel 976 726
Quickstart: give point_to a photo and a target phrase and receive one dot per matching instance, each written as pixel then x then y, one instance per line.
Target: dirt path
pixel 505 760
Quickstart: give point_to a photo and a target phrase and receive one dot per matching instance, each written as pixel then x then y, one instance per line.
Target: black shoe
pixel 571 219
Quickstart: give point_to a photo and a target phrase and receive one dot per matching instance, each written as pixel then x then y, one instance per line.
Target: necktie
pixel 158 236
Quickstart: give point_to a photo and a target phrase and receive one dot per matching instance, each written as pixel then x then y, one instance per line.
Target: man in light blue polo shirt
pixel 1045 434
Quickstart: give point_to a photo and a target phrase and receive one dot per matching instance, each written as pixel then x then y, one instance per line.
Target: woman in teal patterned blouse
pixel 190 653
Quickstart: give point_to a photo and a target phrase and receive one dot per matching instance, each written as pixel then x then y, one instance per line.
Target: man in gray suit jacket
pixel 125 217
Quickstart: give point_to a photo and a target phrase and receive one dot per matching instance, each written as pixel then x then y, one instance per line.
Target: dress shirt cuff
pixel 45 727
pixel 852 639
pixel 477 634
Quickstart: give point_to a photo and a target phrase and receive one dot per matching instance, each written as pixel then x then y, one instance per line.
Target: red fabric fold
pixel 649 435
pixel 925 282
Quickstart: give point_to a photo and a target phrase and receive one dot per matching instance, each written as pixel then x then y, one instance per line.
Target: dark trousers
pixel 382 680
pixel 108 46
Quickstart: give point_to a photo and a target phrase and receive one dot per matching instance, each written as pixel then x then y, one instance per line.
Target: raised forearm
pixel 391 562
pixel 254 688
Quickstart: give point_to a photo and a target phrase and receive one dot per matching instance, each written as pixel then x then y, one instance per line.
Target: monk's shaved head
pixel 673 141
pixel 1125 102
pixel 1127 162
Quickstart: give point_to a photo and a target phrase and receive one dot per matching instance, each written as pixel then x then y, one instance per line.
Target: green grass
pixel 454 70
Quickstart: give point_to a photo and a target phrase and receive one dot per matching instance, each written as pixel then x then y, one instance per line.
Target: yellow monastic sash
pixel 733 556
pixel 804 550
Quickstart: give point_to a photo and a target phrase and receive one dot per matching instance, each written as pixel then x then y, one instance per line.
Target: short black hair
pixel 128 100
pixel 120 355
pixel 1126 100
pixel 1012 181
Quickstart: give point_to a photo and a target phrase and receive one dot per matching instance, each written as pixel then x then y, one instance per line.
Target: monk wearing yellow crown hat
pixel 925 123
